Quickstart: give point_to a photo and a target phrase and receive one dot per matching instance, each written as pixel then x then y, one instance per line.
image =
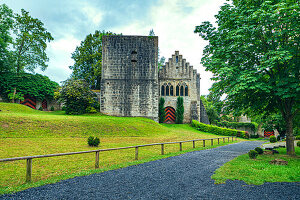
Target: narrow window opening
pixel 181 91
pixel 162 90
pixel 167 91
pixel 133 56
pixel 186 91
pixel 171 91
pixel 177 90
pixel 176 59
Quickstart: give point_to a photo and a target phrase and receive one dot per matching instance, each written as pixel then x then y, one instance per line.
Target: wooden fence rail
pixel 29 158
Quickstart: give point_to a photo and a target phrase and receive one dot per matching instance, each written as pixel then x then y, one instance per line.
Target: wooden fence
pixel 29 158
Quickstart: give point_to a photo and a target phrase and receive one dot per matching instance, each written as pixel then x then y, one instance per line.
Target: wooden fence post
pixel 28 170
pixel 232 139
pixel 212 142
pixel 162 149
pixel 235 138
pixel 218 140
pixel 136 153
pixel 203 143
pixel 97 160
pixel 193 144
pixel 223 140
pixel 180 146
pixel 228 139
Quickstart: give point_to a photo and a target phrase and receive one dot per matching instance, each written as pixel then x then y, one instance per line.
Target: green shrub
pixel 254 136
pixel 179 110
pixel 297 137
pixel 218 130
pixel 252 154
pixel 64 108
pixel 41 108
pixel 161 110
pixel 52 108
pixel 90 109
pixel 278 138
pixel 259 150
pixel 298 143
pixel 272 139
pixel 93 142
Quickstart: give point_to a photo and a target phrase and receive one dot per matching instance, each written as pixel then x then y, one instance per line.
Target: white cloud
pixel 174 22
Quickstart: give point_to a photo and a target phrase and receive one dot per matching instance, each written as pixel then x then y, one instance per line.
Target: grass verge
pixel 258 171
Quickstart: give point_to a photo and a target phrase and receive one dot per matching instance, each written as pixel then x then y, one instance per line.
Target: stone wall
pixel 129 84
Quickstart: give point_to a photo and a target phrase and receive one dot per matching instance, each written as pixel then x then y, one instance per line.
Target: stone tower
pixel 129 83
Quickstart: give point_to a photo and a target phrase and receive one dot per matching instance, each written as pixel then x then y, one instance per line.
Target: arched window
pixel 186 91
pixel 181 90
pixel 176 59
pixel 167 91
pixel 177 90
pixel 171 90
pixel 162 90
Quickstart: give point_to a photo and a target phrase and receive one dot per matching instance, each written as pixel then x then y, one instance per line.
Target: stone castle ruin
pixel 132 84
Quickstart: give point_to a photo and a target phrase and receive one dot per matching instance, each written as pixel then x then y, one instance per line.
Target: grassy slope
pixel 259 170
pixel 24 132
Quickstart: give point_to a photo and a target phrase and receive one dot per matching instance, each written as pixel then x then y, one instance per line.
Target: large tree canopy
pixel 6 24
pixel 88 59
pixel 30 44
pixel 254 55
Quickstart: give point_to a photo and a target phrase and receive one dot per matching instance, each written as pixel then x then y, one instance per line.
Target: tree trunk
pixel 290 146
pixel 13 97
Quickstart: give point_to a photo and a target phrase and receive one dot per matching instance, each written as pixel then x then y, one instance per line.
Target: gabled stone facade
pixel 179 78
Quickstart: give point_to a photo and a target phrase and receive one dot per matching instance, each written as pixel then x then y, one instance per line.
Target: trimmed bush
pixel 278 138
pixel 41 108
pixel 52 108
pixel 254 136
pixel 252 154
pixel 272 139
pixel 93 142
pixel 217 130
pixel 298 143
pixel 259 150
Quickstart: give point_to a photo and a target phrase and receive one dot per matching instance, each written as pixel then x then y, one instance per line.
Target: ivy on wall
pixel 35 85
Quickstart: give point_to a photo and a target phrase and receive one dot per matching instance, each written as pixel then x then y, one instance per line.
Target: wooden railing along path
pixel 29 158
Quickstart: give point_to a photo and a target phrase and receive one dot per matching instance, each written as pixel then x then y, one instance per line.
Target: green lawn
pixel 258 171
pixel 27 132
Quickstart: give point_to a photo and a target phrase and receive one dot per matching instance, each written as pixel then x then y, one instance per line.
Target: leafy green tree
pixel 254 55
pixel 6 24
pixel 210 110
pixel 77 97
pixel 161 110
pixel 30 43
pixel 88 59
pixel 179 110
pixel 35 85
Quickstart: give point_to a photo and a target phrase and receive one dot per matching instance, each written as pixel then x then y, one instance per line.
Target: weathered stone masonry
pixel 129 84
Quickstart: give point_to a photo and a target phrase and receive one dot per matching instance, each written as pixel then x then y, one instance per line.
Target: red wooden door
pixel 170 115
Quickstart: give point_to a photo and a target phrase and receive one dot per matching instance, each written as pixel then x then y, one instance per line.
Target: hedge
pixel 218 130
pixel 252 125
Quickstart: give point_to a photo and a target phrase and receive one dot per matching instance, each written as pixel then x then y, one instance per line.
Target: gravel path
pixel 181 177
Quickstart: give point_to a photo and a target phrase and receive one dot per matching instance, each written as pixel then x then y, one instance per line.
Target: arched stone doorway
pixel 170 115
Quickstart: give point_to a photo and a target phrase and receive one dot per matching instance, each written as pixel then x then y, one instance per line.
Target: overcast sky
pixel 173 21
